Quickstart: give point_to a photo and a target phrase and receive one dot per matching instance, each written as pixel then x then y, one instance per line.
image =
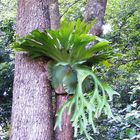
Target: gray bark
pixel 67 129
pixel 61 95
pixel 32 14
pixel 54 14
pixel 95 9
pixel 32 115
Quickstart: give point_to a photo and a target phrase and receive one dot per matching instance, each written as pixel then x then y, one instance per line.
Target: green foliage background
pixel 122 71
pixel 6 72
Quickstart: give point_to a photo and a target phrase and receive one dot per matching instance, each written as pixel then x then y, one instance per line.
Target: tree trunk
pixel 32 117
pixel 61 96
pixel 67 130
pixel 95 9
pixel 54 14
pixel 32 14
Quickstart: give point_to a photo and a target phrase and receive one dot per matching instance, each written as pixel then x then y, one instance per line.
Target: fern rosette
pixel 70 69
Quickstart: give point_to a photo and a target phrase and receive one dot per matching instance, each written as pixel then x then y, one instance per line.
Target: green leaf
pixel 130 132
pixel 96 48
pixel 66 45
pixel 106 63
pixel 58 73
pixel 50 66
pixel 97 58
pixel 96 104
pixel 70 82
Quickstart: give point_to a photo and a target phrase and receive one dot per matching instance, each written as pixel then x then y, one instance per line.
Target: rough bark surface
pixel 67 129
pixel 54 14
pixel 61 95
pixel 95 9
pixel 32 117
pixel 32 14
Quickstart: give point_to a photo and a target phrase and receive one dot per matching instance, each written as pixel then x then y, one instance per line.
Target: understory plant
pixel 72 67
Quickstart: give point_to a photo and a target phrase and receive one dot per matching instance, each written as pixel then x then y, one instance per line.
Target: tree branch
pixel 76 1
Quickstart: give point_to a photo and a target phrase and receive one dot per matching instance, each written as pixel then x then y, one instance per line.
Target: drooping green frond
pixel 58 73
pixel 97 58
pixel 70 81
pixel 92 104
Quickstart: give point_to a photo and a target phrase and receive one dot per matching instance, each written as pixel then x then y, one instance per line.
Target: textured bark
pixel 67 129
pixel 32 117
pixel 95 9
pixel 54 14
pixel 61 95
pixel 32 14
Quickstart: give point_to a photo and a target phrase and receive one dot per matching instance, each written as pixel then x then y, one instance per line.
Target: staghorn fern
pixel 69 69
